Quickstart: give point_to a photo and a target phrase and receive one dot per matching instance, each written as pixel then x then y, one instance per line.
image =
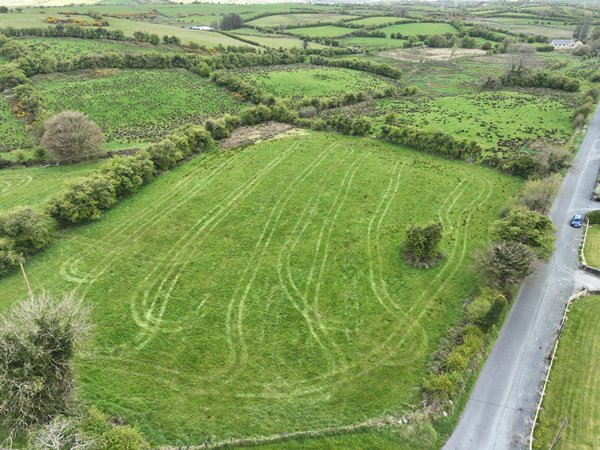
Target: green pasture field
pixel 414 29
pixel 550 31
pixel 592 246
pixel 487 117
pixel 297 19
pixel 313 81
pixel 32 186
pixel 70 47
pixel 13 133
pixel 136 105
pixel 258 291
pixel 279 41
pixel 330 31
pixel 372 43
pixel 370 21
pixel 573 392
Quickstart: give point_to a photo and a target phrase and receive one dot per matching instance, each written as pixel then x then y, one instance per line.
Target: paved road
pixel 501 407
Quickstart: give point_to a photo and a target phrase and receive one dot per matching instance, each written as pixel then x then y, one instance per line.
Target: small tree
pixel 232 21
pixel 37 341
pixel 71 136
pixel 537 195
pixel 29 229
pixel 506 263
pixel 527 227
pixel 422 246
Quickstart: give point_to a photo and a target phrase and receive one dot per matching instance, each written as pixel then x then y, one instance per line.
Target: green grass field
pixel 70 47
pixel 372 43
pixel 13 133
pixel 414 29
pixel 34 185
pixel 487 117
pixel 330 31
pixel 573 391
pixel 296 19
pixel 370 21
pixel 136 105
pixel 313 81
pixel 592 246
pixel 261 290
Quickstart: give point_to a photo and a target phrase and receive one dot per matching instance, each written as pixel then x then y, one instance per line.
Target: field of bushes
pixel 136 105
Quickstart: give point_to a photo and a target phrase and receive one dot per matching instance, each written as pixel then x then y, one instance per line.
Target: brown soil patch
pixel 244 136
pixel 436 54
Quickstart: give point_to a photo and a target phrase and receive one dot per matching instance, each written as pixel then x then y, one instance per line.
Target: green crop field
pixel 33 186
pixel 488 117
pixel 573 391
pixel 592 246
pixel 370 21
pixel 330 31
pixel 136 105
pixel 296 19
pixel 70 47
pixel 261 290
pixel 414 29
pixel 13 133
pixel 372 43
pixel 313 81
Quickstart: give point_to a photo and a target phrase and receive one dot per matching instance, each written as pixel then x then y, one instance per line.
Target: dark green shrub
pixel 129 173
pixel 422 244
pixel 594 216
pixel 28 229
pixel 9 257
pixel 84 199
pixel 164 154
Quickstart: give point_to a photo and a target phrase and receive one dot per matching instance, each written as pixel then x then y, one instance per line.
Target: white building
pixel 201 28
pixel 565 44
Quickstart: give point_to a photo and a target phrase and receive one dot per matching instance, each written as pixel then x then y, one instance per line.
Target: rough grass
pixel 313 81
pixel 136 105
pixel 13 133
pixel 573 391
pixel 487 117
pixel 262 290
pixel 71 47
pixel 372 43
pixel 592 246
pixel 370 21
pixel 414 29
pixel 330 31
pixel 34 185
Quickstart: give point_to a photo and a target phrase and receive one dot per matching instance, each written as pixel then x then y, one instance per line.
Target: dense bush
pixel 28 229
pixel 123 438
pixel 435 142
pixel 37 341
pixel 71 136
pixel 365 66
pixel 422 246
pixel 9 257
pixel 542 80
pixel 521 225
pixel 84 199
pixel 129 173
pixel 594 216
pixel 11 75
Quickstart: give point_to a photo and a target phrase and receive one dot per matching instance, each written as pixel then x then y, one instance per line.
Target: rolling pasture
pixel 327 31
pixel 415 29
pixel 573 391
pixel 313 81
pixel 35 185
pixel 136 105
pixel 262 290
pixel 283 20
pixel 487 117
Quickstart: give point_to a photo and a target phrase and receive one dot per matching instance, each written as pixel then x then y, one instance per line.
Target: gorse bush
pixel 129 173
pixel 84 199
pixel 9 257
pixel 422 246
pixel 28 229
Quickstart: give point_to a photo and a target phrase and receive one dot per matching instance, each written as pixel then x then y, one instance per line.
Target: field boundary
pixel 583 293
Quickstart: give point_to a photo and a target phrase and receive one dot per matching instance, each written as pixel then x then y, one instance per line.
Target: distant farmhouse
pixel 202 28
pixel 565 44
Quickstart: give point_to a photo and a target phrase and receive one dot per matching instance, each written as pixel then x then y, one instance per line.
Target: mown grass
pixel 313 81
pixel 379 20
pixel 297 19
pixel 13 133
pixel 487 117
pixel 136 105
pixel 372 43
pixel 414 29
pixel 330 31
pixel 262 290
pixel 592 246
pixel 573 392
pixel 34 185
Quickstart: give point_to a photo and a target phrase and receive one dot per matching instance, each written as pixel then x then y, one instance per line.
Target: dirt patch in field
pixel 244 136
pixel 436 54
